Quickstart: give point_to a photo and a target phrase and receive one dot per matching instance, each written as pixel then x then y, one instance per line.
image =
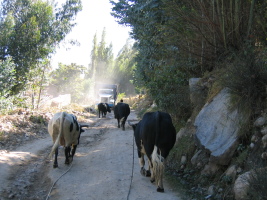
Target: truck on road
pixel 106 93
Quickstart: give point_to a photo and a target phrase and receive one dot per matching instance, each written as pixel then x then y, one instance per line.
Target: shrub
pixel 184 146
pixel 246 78
pixel 37 119
pixel 120 96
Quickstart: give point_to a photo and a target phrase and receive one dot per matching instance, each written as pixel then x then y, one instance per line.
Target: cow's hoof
pixel 67 162
pixel 160 189
pixel 71 159
pixel 148 173
pixel 55 165
pixel 152 180
pixel 143 171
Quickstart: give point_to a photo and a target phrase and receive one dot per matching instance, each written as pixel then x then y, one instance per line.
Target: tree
pixel 101 59
pixel 30 30
pixel 7 76
pixel 37 80
pixel 156 65
pixel 179 39
pixel 68 79
pixel 123 69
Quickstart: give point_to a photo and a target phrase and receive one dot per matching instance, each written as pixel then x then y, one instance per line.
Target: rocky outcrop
pixel 222 148
pixel 217 128
pixel 241 186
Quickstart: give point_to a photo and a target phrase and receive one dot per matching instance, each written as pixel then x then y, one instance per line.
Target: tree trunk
pixel 40 90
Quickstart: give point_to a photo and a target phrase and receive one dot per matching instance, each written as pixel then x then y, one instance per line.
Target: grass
pixel 2 134
pixel 184 146
pixel 258 182
pixel 176 185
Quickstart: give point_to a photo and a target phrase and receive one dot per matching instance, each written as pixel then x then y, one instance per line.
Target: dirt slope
pixel 102 169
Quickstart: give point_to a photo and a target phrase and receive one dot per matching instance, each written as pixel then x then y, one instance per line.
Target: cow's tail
pixel 56 144
pixel 158 165
pixel 157 158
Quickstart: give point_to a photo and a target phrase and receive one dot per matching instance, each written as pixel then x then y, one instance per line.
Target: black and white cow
pixel 65 131
pixel 121 112
pixel 155 136
pixel 103 108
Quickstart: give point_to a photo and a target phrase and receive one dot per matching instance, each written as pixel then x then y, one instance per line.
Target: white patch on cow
pixel 142 148
pixel 158 167
pixel 142 160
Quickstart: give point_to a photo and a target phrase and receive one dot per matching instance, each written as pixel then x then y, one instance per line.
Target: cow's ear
pixel 82 130
pixel 134 126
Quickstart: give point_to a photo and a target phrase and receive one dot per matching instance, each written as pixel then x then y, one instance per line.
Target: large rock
pixel 241 186
pixel 61 100
pixel 217 128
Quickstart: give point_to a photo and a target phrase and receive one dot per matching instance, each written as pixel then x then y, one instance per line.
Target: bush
pixel 246 78
pixel 120 96
pixel 7 76
pixel 184 146
pixel 37 119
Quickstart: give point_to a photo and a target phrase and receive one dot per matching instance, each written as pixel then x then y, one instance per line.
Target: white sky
pixel 94 17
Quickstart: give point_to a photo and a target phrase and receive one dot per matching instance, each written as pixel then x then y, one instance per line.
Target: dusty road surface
pixel 101 170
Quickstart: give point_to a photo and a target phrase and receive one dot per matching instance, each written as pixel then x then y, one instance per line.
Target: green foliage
pixel 2 134
pixel 104 69
pixel 176 40
pixel 7 77
pixel 29 32
pixel 101 59
pixel 15 101
pixel 246 77
pixel 121 96
pixel 157 63
pixel 241 157
pixel 37 119
pixel 67 79
pixel 184 146
pixel 123 68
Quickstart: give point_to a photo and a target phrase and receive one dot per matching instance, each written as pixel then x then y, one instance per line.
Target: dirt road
pixel 101 169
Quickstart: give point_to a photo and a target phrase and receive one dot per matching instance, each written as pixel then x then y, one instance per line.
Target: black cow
pixel 121 112
pixel 103 108
pixel 155 136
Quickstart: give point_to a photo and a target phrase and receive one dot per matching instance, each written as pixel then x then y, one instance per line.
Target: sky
pixel 94 17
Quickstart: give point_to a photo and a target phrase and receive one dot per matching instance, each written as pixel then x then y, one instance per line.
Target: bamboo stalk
pixel 223 25
pixel 250 17
pixel 236 19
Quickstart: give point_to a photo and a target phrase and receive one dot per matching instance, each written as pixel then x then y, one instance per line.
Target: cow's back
pixel 156 128
pixel 102 107
pixel 53 126
pixel 146 132
pixel 121 110
pixel 70 131
pixel 167 133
